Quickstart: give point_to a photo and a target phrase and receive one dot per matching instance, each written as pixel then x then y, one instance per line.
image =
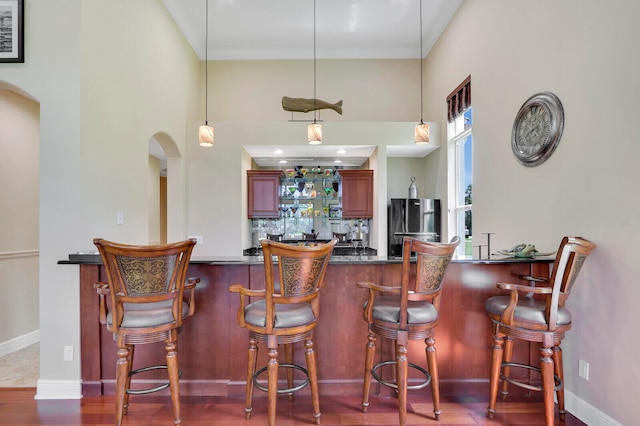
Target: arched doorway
pixel 19 228
pixel 162 150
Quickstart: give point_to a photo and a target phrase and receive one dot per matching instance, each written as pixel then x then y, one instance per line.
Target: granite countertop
pixel 93 258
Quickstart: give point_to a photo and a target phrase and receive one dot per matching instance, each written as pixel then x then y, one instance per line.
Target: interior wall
pixel 154 201
pixel 84 150
pixel 581 52
pixel 19 192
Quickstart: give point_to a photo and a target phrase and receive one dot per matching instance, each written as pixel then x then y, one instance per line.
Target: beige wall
pixel 19 192
pixel 580 50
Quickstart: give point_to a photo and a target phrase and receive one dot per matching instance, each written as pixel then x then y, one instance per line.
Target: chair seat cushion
pixel 140 315
pixel 387 308
pixel 528 311
pixel 287 315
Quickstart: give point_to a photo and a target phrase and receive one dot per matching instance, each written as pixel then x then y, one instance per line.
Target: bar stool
pixel 406 312
pixel 146 288
pixel 536 314
pixel 286 313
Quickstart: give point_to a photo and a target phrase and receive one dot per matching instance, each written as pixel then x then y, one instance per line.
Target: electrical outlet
pixel 583 369
pixel 198 238
pixel 68 353
pixel 119 218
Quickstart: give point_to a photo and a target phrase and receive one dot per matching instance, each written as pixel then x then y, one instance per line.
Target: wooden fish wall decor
pixel 306 105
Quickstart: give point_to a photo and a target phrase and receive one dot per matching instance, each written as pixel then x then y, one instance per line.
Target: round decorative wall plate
pixel 537 129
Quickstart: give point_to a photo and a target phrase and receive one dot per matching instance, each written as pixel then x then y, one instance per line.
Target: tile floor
pixel 21 369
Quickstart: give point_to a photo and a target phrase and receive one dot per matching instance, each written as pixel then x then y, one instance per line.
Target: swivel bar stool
pixel 287 312
pixel 146 288
pixel 406 312
pixel 536 314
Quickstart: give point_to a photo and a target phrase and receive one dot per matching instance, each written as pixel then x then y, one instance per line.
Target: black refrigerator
pixel 413 217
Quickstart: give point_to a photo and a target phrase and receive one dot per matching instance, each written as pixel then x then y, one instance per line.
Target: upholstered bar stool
pixel 404 312
pixel 146 290
pixel 536 314
pixel 287 312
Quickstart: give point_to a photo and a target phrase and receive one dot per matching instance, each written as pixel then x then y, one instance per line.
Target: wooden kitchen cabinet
pixel 357 194
pixel 263 188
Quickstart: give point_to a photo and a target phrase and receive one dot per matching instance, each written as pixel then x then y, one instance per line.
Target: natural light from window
pixel 460 150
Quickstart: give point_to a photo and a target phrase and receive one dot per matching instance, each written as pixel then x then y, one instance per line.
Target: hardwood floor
pixel 18 407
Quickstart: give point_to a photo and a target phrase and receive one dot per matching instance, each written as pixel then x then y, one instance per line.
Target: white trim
pixel 19 342
pixel 18 254
pixel 59 389
pixel 586 412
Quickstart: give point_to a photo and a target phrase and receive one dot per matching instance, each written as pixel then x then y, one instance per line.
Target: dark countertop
pixel 93 258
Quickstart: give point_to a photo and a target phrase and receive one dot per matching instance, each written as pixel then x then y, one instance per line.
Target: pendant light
pixel 314 130
pixel 421 135
pixel 205 133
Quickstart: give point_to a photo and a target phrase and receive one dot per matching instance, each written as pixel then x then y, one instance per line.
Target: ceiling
pixel 284 29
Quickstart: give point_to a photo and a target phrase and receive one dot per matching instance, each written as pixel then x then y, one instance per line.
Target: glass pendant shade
pixel 314 132
pixel 205 135
pixel 422 133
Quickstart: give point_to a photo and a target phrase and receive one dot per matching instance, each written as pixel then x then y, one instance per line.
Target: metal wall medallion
pixel 537 129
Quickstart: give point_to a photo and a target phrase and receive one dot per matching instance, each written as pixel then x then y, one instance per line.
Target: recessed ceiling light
pixel 337 161
pixel 277 151
pixel 342 151
pixel 282 161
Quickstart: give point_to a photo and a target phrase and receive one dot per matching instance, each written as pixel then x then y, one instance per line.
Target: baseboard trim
pixel 586 412
pixel 19 342
pixel 59 389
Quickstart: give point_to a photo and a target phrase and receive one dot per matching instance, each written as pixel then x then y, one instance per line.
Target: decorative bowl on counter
pixel 524 251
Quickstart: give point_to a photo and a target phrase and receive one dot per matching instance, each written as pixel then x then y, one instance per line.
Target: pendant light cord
pixel 420 56
pixel 314 61
pixel 206 65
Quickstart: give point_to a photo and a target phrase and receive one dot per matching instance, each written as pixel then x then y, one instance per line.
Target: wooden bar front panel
pixel 213 348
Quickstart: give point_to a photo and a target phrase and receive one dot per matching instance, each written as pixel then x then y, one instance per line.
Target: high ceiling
pixel 284 29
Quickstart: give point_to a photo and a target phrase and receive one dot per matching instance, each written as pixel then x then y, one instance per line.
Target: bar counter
pixel 213 348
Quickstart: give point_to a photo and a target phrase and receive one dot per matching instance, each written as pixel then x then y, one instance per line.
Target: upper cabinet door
pixel 263 187
pixel 357 194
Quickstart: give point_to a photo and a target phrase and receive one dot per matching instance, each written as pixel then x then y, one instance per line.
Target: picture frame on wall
pixel 11 31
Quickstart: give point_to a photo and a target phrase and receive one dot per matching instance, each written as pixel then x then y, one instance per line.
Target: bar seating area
pixel 279 306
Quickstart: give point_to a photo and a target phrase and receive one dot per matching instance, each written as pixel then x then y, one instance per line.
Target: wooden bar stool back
pixel 536 314
pixel 146 290
pixel 406 312
pixel 286 312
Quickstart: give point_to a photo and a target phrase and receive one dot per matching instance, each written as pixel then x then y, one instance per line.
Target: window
pixel 460 154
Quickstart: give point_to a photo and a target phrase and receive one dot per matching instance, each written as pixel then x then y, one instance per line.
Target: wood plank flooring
pixel 18 407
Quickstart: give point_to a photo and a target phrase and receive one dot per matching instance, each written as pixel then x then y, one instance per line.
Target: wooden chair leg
pixel 557 364
pixel 548 383
pixel 272 373
pixel 251 369
pixel 125 403
pixel 402 368
pixel 494 378
pixel 288 357
pixel 171 348
pixel 368 365
pixel 506 371
pixel 432 363
pixel 122 373
pixel 313 378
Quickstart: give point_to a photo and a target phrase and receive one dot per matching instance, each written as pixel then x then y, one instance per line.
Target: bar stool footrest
pixel 287 390
pixel 556 379
pixel 149 390
pixel 427 376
